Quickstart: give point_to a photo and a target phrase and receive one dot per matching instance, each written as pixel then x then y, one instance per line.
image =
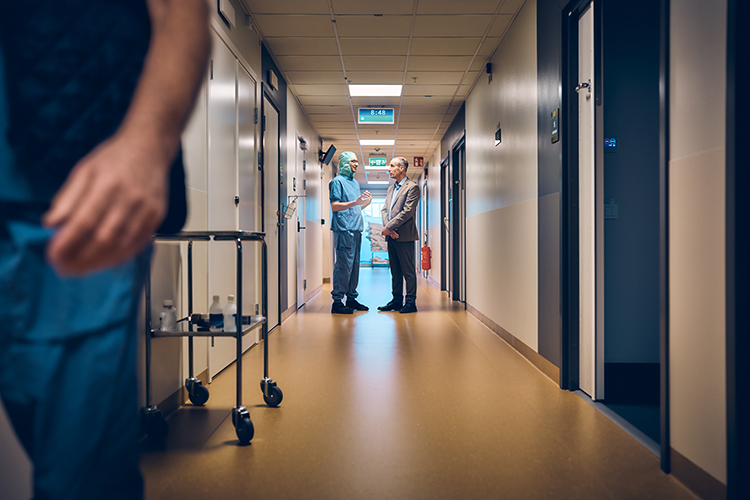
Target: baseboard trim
pixel 326 280
pixel 430 280
pixel 696 479
pixel 536 359
pixel 285 315
pixel 314 293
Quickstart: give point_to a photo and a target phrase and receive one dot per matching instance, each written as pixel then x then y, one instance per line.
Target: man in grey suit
pixel 399 227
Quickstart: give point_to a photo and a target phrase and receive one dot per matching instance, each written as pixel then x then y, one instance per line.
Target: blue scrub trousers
pixel 347 246
pixel 68 368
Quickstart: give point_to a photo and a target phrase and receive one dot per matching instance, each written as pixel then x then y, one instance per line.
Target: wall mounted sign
pixel 381 116
pixel 555 125
pixel 419 161
pixel 377 161
pixel 610 145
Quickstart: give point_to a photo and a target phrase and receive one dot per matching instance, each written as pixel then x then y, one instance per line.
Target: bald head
pixel 397 168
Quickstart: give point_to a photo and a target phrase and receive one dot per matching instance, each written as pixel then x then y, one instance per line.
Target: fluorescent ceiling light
pixel 378 182
pixel 376 168
pixel 377 142
pixel 374 90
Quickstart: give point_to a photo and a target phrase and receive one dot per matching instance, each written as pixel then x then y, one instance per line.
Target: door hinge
pixel 211 77
pixel 304 184
pixel 304 284
pixel 260 160
pixel 263 123
pixel 236 200
pixel 256 115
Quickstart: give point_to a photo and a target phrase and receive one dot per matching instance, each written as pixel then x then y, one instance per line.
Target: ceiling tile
pixel 313 100
pixel 463 90
pixel 364 63
pixel 422 90
pixel 427 101
pixel 303 46
pixel 376 77
pixel 370 7
pixel 374 46
pixel 364 102
pixel 317 109
pixel 333 117
pixel 444 46
pixel 294 25
pixel 478 64
pixel 410 125
pixel 450 26
pixel 511 6
pixel 454 7
pixel 315 77
pixel 500 25
pixel 426 110
pixel 309 63
pixel 408 116
pixel 439 63
pixel 435 78
pixel 296 6
pixel 332 90
pixel 386 26
pixel 488 47
pixel 472 76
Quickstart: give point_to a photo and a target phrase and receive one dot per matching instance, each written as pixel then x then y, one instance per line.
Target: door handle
pixel 584 85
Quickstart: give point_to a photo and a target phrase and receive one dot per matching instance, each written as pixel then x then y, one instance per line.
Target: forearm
pixel 171 77
pixel 338 206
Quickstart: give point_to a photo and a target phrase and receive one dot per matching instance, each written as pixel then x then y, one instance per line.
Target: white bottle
pixel 216 316
pixel 230 315
pixel 168 317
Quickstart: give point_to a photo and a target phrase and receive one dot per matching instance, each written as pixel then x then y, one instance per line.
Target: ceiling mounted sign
pixel 380 116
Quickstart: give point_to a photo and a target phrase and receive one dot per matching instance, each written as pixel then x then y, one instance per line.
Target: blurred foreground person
pixel 93 100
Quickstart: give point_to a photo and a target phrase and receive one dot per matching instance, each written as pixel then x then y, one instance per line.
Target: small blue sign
pixel 382 116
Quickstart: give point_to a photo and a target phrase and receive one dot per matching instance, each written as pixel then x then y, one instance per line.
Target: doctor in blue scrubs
pixel 347 202
pixel 93 100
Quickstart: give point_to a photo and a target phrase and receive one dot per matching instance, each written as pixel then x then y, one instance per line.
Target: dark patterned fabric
pixel 71 67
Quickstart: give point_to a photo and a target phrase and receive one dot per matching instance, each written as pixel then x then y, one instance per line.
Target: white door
pixel 222 189
pixel 249 194
pixel 271 206
pixel 591 354
pixel 299 190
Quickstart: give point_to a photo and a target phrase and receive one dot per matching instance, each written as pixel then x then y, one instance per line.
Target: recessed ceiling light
pixel 375 168
pixel 378 182
pixel 374 90
pixel 377 142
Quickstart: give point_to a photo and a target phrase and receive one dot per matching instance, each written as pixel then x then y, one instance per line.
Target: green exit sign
pixel 372 115
pixel 377 161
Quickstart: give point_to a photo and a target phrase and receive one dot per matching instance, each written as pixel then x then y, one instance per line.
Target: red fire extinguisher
pixel 426 254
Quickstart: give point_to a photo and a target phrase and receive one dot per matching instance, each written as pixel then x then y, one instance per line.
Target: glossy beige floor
pixel 386 406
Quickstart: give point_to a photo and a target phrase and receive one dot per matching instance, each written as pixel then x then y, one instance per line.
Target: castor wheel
pixel 273 396
pixel 243 426
pixel 198 394
pixel 156 427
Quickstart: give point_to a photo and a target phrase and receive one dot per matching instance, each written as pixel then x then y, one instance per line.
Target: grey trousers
pixel 401 257
pixel 347 245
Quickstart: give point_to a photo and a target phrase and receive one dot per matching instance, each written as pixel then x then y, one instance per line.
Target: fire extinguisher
pixel 426 255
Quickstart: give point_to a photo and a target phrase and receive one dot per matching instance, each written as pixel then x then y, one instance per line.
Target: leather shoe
pixel 339 308
pixel 408 308
pixel 390 306
pixel 356 305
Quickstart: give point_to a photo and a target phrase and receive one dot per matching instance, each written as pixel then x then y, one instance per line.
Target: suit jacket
pixel 404 211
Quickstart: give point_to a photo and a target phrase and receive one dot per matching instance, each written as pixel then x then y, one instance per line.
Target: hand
pixel 111 204
pixel 364 199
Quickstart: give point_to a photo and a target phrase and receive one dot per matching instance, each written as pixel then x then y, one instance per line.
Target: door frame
pixel 267 96
pixel 569 198
pixel 458 221
pixel 444 233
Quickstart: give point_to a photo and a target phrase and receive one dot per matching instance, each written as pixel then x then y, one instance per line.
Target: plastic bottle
pixel 216 316
pixel 168 317
pixel 230 315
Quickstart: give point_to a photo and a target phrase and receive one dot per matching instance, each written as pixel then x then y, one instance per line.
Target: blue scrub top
pixel 344 189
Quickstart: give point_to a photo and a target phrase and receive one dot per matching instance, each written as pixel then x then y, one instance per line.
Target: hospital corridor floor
pixel 378 406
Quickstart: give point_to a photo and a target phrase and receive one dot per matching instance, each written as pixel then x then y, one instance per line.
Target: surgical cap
pixel 345 159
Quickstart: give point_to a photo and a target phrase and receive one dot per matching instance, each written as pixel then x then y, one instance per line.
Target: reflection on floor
pixel 643 417
pixel 430 405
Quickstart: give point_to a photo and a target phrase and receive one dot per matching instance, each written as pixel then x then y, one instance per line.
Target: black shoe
pixel 356 305
pixel 390 306
pixel 340 308
pixel 408 308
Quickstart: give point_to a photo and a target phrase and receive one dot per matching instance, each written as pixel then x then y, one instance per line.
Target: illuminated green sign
pixel 371 115
pixel 377 161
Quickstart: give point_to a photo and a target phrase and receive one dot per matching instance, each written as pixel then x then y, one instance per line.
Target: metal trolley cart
pixel 153 419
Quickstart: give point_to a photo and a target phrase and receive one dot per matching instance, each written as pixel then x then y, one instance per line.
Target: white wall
pixel 501 225
pixel 434 222
pixel 696 233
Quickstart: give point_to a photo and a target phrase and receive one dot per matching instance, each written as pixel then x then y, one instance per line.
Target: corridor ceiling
pixel 436 49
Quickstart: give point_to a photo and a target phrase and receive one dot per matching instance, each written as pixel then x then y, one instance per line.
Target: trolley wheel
pixel 245 430
pixel 274 396
pixel 157 428
pixel 198 395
